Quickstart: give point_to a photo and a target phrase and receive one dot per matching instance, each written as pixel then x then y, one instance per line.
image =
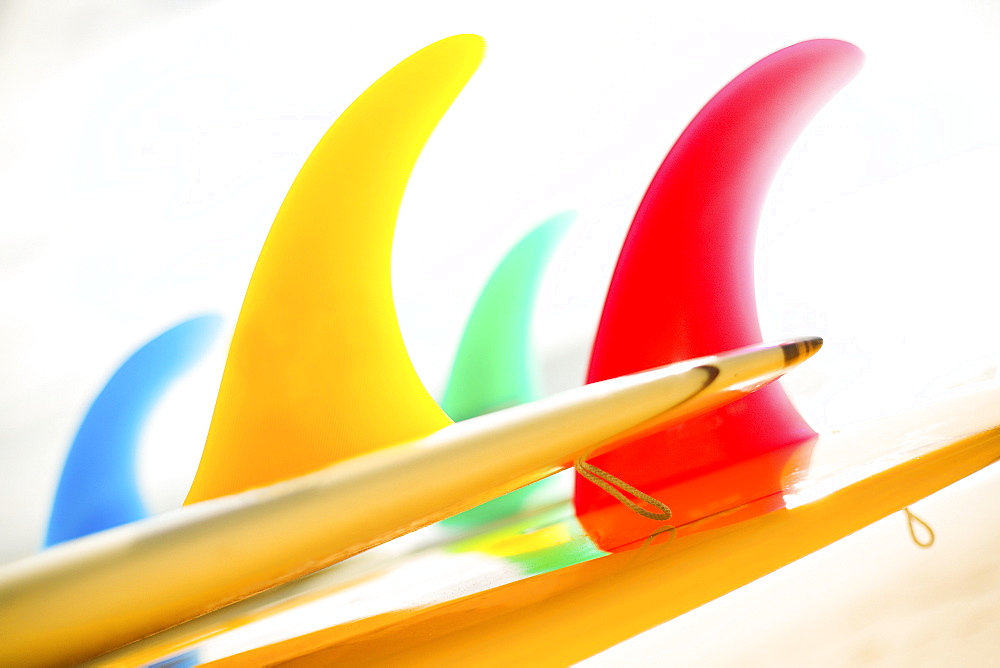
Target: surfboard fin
pixel 684 287
pixel 98 488
pixel 317 371
pixel 494 367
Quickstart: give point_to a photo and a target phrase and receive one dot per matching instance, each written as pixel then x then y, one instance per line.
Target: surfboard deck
pixel 530 588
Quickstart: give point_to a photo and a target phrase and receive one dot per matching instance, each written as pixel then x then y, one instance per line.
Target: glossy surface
pixel 563 616
pixel 412 573
pixel 684 287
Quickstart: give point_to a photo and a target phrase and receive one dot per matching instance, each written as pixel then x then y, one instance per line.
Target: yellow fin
pixel 317 370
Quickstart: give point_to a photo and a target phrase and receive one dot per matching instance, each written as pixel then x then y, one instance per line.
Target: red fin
pixel 684 288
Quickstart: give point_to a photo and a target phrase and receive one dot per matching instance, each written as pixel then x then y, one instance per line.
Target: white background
pixel 145 147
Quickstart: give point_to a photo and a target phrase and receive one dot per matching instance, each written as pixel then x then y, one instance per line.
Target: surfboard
pixel 487 599
pixel 65 604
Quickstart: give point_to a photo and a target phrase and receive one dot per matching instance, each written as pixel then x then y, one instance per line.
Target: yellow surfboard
pixel 96 593
pixel 562 616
